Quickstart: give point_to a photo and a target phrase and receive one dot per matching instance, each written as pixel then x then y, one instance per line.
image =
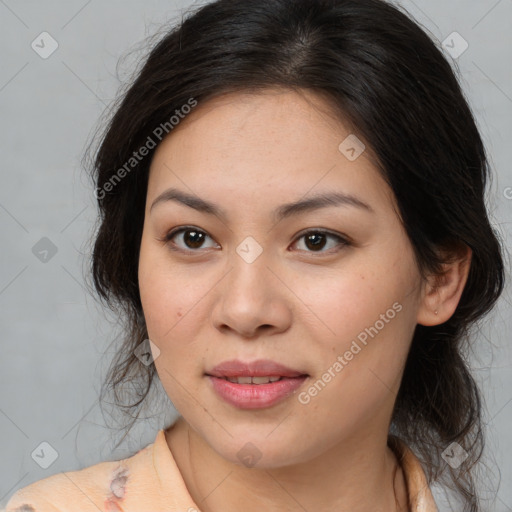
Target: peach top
pixel 150 481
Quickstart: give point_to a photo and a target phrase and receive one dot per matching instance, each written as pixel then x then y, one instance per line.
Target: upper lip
pixel 259 368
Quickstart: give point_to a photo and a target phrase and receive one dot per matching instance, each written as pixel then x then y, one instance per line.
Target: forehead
pixel 271 142
pixel 273 114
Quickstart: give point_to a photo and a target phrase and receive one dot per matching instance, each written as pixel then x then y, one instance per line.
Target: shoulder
pixel 88 489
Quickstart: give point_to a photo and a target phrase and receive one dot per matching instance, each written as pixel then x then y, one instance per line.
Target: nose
pixel 252 300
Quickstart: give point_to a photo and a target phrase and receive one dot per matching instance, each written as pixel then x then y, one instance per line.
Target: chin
pixel 257 449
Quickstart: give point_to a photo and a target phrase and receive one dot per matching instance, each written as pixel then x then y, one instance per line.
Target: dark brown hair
pixel 385 76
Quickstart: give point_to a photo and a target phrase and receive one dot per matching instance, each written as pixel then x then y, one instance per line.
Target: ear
pixel 441 292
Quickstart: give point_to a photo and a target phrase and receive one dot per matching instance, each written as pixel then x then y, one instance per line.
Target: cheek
pixel 341 303
pixel 175 313
pixel 359 368
pixel 161 292
pixel 166 298
pixel 166 293
pixel 374 290
pixel 366 317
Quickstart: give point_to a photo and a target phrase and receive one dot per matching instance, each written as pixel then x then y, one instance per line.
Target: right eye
pixel 192 237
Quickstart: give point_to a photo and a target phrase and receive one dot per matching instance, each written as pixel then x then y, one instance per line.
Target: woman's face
pixel 241 281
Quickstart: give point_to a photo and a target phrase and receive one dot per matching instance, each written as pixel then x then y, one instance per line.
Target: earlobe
pixel 441 292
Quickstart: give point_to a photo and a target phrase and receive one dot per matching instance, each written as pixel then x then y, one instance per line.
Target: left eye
pixel 315 240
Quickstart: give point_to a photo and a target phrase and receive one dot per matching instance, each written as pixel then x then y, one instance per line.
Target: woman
pixel 292 210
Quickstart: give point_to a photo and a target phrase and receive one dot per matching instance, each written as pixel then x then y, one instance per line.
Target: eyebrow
pixel 322 200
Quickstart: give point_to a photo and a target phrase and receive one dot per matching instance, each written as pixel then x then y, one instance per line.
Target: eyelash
pixel 343 241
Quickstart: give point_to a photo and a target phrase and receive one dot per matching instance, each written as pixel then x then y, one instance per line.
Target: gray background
pixel 55 337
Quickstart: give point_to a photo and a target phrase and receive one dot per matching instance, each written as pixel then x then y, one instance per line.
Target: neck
pixel 357 475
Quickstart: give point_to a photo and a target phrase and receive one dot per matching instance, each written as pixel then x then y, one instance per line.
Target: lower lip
pixel 255 396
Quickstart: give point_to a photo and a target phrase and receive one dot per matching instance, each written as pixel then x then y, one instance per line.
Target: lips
pixel 258 368
pixel 245 386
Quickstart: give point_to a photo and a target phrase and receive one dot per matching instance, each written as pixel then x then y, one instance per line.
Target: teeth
pixel 252 380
